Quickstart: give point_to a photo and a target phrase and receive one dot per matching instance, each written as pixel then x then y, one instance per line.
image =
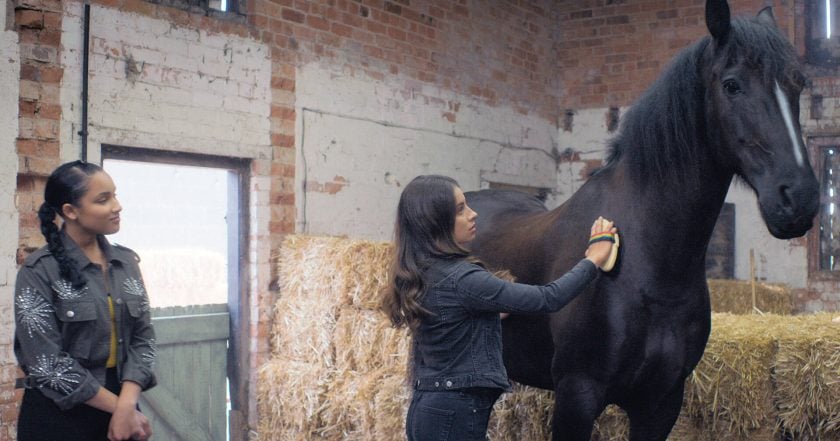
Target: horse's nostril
pixel 787 196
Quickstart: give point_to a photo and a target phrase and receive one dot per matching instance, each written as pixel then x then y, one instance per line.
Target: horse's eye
pixel 731 87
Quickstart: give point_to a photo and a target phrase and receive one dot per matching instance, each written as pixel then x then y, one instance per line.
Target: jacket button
pixel 448 384
pixel 70 314
pixel 119 301
pixel 120 340
pixel 437 384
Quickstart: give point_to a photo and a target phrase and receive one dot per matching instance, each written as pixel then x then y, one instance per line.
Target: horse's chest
pixel 665 355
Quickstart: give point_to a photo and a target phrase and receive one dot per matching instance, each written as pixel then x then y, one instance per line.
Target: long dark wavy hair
pixel 66 185
pixel 423 231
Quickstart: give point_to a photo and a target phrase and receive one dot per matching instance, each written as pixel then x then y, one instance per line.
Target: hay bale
pixel 338 368
pixel 305 313
pixel 290 396
pixel 364 406
pixel 807 377
pixel 735 296
pixel 522 414
pixel 612 425
pixel 366 267
pixel 391 406
pixel 364 340
pixel 730 391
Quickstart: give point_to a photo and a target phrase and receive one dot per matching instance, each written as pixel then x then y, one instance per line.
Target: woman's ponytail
pixel 49 229
pixel 66 185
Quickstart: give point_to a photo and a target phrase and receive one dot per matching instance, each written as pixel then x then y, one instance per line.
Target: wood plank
pixel 184 423
pixel 191 328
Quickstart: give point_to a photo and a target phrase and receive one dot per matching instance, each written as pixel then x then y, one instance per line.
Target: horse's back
pixel 493 205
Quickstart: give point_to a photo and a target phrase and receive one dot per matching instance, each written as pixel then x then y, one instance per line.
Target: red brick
pixel 317 23
pixel 282 112
pixel 52 20
pixel 28 109
pixel 29 19
pixel 51 74
pixel 292 15
pixel 50 37
pixel 50 111
pixel 30 72
pixel 140 7
pixel 282 140
pixel 341 30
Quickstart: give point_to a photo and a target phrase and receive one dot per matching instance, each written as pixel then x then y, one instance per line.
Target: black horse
pixel 726 106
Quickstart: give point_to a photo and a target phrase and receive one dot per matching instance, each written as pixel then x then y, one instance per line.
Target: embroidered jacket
pixel 460 344
pixel 62 333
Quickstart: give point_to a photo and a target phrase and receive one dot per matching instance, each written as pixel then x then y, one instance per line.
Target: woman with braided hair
pixel 83 333
pixel 451 304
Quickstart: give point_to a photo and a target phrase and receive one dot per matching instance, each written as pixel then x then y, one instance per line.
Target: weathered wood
pixel 190 401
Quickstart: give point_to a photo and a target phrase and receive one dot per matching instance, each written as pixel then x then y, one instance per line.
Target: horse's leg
pixel 654 422
pixel 578 400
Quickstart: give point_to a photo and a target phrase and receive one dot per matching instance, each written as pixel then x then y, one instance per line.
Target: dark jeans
pixel 41 420
pixel 459 415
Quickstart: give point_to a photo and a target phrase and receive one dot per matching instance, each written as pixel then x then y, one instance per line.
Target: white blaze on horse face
pixel 786 115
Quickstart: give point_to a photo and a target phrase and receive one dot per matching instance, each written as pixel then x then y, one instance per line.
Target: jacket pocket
pixel 136 308
pixel 78 327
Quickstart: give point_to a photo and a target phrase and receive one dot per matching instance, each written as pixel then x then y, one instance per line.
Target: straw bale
pixel 364 406
pixel 364 340
pixel 730 390
pixel 612 425
pixel 305 313
pixel 523 414
pixel 290 396
pixel 807 377
pixel 366 268
pixel 735 296
pixel 391 404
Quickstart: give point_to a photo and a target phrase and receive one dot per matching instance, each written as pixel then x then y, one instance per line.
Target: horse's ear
pixel 717 19
pixel 766 16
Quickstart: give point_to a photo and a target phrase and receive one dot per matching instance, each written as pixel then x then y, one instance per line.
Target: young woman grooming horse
pixel 86 356
pixel 452 303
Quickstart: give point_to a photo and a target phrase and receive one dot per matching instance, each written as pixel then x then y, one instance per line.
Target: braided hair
pixel 66 185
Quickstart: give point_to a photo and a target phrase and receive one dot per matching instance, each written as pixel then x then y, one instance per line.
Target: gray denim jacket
pixel 460 344
pixel 62 333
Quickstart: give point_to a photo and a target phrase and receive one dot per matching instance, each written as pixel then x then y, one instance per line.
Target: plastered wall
pixel 159 85
pixel 362 140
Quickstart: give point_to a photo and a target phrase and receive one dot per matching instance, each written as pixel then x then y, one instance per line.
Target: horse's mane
pixel 664 133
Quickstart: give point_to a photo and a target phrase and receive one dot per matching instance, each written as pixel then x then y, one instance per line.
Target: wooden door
pixel 190 401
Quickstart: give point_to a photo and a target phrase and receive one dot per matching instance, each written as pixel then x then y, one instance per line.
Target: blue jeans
pixel 459 415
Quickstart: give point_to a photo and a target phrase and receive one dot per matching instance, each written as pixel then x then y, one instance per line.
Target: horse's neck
pixel 672 222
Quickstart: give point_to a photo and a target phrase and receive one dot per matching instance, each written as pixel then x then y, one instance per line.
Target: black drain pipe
pixel 85 51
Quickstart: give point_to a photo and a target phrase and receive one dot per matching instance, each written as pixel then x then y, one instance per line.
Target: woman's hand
pixel 127 423
pixel 599 252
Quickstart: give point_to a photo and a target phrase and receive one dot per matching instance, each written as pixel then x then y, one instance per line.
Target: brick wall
pixel 609 54
pixel 497 78
pixel 9 96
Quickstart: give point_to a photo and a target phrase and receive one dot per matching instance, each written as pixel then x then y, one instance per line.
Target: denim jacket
pixel 63 334
pixel 460 344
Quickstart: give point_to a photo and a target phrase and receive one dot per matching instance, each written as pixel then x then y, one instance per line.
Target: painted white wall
pixel 374 136
pixel 10 77
pixel 157 85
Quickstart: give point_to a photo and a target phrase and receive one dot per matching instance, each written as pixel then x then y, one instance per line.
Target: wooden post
pixel 752 282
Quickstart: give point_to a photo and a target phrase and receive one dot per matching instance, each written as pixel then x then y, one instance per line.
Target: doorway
pixel 183 215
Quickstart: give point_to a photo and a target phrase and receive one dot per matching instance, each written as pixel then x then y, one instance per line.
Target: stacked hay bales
pixel 735 296
pixel 337 370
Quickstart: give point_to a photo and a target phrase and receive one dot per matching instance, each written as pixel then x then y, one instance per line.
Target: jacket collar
pixel 112 254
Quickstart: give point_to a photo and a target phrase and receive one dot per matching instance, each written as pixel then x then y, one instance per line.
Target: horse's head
pixel 752 105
